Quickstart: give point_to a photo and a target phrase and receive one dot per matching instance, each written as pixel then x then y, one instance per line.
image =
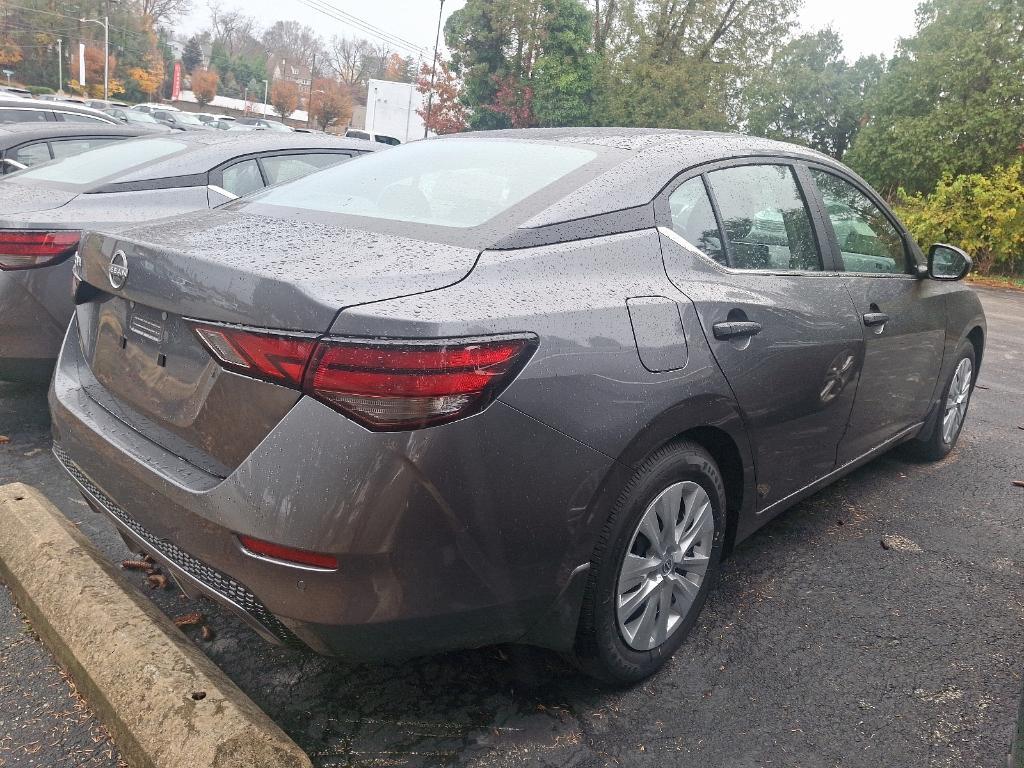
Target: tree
pixel 293 42
pixel 192 56
pixel 284 97
pixel 810 95
pixel 204 86
pixel 447 114
pixel 563 76
pixel 330 103
pixel 349 59
pixel 399 69
pixel 952 100
pixel 164 10
pixel 10 52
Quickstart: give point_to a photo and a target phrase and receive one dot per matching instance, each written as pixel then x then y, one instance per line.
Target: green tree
pixel 563 76
pixel 674 64
pixel 952 100
pixel 192 56
pixel 811 95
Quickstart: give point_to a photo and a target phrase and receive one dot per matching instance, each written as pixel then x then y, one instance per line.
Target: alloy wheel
pixel 957 400
pixel 665 565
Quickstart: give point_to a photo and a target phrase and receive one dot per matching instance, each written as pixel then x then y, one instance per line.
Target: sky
pixel 867 26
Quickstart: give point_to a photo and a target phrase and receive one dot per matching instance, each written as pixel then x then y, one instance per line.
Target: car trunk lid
pixel 151 371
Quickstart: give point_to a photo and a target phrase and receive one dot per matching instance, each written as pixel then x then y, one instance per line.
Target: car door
pixel 743 245
pixel 903 316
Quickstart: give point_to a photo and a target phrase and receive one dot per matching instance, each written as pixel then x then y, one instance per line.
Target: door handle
pixel 871 319
pixel 735 329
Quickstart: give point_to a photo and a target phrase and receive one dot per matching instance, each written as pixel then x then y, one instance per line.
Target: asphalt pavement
pixel 819 648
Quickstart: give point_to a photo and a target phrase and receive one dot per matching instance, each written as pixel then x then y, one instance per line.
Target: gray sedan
pixel 523 387
pixel 44 209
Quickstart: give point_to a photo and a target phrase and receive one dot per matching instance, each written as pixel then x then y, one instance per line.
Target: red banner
pixel 176 83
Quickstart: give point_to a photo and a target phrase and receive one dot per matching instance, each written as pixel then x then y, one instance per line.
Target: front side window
pixel 77 117
pixel 447 182
pixel 693 219
pixel 766 221
pixel 23 115
pixel 283 168
pixel 868 241
pixel 242 178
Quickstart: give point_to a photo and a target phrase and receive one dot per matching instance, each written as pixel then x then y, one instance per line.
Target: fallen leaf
pixel 980 386
pixel 135 565
pixel 1019 483
pixel 188 619
pixel 207 633
pixel 4 439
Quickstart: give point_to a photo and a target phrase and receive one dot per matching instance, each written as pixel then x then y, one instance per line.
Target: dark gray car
pixel 515 387
pixel 17 110
pixel 23 145
pixel 44 209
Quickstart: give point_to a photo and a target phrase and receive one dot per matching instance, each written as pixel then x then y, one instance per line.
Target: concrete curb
pixel 134 667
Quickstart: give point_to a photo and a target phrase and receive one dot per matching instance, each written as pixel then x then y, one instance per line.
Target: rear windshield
pixel 455 183
pixel 98 164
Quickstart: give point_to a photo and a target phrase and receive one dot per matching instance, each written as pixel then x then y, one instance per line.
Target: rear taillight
pixel 386 385
pixel 29 249
pixel 289 555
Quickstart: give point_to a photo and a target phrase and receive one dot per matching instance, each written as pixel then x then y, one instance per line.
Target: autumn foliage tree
pixel 204 86
pixel 447 113
pixel 284 97
pixel 331 103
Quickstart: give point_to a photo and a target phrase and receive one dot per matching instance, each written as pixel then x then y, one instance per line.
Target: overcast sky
pixel 867 26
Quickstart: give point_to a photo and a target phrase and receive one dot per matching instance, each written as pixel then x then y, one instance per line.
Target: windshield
pixel 455 183
pixel 90 167
pixel 188 119
pixel 139 117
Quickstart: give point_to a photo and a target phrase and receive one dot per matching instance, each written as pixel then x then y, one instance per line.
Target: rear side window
pixel 358 135
pixel 868 241
pixel 23 115
pixel 449 183
pixel 693 219
pixel 110 160
pixel 766 221
pixel 75 117
pixel 31 154
pixel 281 168
pixel 242 178
pixel 69 147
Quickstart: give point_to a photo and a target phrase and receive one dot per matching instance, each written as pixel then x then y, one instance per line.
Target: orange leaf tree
pixel 447 113
pixel 204 86
pixel 331 103
pixel 284 97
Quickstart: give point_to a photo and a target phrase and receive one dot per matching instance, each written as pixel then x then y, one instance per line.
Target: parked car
pixel 525 386
pixel 23 145
pixel 380 138
pixel 43 211
pixel 104 104
pixel 259 124
pixel 143 121
pixel 211 119
pixel 180 121
pixel 150 106
pixel 21 110
pixel 15 92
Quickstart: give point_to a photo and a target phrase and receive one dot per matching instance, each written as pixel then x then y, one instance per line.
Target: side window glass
pixel 242 178
pixel 766 221
pixel 693 219
pixel 867 239
pixel 70 147
pixel 75 117
pixel 32 154
pixel 288 167
pixel 23 115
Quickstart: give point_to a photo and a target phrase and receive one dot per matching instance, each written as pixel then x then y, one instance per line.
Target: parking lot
pixel 820 647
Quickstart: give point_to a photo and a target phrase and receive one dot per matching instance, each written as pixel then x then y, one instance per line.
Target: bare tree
pixel 293 42
pixel 349 58
pixel 165 10
pixel 233 28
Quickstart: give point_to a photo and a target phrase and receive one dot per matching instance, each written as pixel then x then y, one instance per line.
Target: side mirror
pixel 947 262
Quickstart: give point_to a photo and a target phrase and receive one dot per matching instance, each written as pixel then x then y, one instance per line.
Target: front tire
pixel 956 398
pixel 655 562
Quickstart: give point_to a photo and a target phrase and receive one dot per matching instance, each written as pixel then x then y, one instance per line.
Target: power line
pixel 354 21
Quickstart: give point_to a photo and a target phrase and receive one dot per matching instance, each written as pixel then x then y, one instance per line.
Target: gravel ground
pixel 821 647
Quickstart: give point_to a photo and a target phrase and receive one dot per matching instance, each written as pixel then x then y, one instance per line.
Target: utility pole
pixel 60 67
pixel 265 87
pixel 106 52
pixel 433 71
pixel 309 101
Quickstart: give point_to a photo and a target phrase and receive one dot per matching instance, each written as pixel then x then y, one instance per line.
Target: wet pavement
pixel 819 648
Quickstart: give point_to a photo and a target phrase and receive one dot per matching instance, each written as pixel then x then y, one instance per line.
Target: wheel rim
pixel 665 565
pixel 956 400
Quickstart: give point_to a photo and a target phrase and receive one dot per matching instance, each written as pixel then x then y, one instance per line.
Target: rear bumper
pixel 458 536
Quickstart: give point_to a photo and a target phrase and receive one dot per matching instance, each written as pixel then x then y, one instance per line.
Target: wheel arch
pixel 977 338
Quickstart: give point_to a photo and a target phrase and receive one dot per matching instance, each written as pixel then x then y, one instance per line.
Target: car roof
pixel 208 149
pixel 650 159
pixel 13 134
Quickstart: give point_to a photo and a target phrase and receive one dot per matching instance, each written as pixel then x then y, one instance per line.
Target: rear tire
pixel 953 406
pixel 670 522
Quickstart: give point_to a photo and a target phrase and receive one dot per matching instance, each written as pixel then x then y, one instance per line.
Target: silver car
pixel 527 386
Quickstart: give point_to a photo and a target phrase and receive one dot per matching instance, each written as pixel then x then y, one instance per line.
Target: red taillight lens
pixel 272 357
pixel 26 249
pixel 389 386
pixel 289 554
pixel 385 385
